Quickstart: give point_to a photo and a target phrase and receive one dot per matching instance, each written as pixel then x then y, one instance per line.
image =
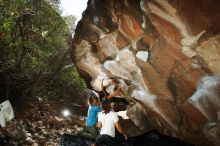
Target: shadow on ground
pixel 152 138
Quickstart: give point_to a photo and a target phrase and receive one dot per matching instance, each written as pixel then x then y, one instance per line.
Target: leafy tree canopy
pixel 34 50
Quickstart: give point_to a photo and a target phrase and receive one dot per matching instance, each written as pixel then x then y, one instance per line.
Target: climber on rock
pixel 91 130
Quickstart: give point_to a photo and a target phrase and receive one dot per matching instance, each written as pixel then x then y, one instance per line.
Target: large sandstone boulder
pixel 165 55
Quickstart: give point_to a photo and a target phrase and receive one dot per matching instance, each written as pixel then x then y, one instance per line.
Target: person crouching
pixel 107 121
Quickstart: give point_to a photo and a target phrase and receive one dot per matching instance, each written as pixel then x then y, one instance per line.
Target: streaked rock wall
pixel 165 55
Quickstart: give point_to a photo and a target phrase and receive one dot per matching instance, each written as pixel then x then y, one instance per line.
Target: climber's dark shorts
pixel 105 140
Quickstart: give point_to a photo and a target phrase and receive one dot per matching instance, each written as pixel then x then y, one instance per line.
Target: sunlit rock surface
pixel 165 55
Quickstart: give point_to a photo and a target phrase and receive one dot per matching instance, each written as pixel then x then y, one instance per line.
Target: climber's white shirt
pixel 108 122
pixel 6 113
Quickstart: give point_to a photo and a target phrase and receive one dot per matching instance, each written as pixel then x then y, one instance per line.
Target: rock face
pixel 165 56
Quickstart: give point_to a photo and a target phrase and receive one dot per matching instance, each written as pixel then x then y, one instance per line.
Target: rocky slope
pixel 165 56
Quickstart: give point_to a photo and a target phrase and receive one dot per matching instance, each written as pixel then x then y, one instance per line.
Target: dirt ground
pixel 41 122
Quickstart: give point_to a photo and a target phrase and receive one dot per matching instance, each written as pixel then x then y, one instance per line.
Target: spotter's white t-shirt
pixel 108 122
pixel 6 113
